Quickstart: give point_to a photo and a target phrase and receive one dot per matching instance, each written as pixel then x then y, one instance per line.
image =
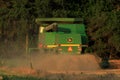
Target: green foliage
pixel 103 27
pixel 89 50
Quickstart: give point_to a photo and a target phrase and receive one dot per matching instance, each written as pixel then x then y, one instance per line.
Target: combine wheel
pixel 104 64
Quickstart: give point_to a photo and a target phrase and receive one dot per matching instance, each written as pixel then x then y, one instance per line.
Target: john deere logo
pixel 69 39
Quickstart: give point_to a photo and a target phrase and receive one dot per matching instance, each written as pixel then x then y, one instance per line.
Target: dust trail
pixel 64 62
pixel 55 62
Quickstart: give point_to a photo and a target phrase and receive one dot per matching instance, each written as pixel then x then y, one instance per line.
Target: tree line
pixel 102 20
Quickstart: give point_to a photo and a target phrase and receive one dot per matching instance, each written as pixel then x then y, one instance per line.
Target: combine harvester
pixel 61 35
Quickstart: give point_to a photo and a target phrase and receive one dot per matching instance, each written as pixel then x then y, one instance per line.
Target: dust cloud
pixel 64 62
pixel 54 62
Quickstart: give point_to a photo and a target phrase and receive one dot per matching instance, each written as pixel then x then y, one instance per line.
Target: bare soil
pixel 115 64
pixel 54 66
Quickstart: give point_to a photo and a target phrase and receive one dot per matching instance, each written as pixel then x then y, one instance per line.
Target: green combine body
pixel 63 35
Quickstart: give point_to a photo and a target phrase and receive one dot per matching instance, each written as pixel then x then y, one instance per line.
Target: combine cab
pixel 61 35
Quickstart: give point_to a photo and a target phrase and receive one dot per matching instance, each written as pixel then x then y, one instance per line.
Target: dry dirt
pixel 44 64
pixel 54 62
